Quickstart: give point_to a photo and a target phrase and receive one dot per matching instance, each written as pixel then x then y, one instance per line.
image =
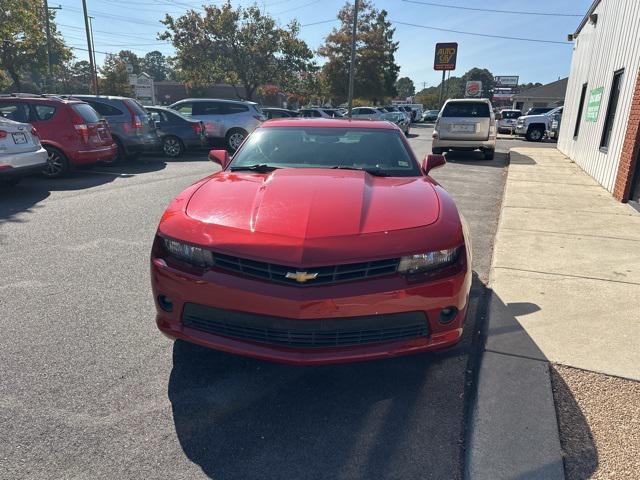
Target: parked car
pixel 367 113
pixel 465 124
pixel 177 133
pixel 430 116
pixel 418 109
pixel 131 128
pixel 228 120
pixel 398 118
pixel 21 153
pixel 409 111
pixel 539 110
pixel 272 112
pixel 533 127
pixel 70 130
pixel 319 112
pixel 324 273
pixel 554 128
pixel 507 120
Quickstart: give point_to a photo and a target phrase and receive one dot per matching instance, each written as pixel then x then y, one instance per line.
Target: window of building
pixel 583 96
pixel 611 110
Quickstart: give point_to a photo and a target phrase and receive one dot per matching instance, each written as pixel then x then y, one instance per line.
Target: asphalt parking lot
pixel 90 389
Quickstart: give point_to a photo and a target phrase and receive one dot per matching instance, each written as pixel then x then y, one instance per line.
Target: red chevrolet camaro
pixel 321 241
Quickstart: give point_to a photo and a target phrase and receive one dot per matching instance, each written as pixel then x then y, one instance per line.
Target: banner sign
pixel 593 107
pixel 507 80
pixel 446 55
pixel 473 88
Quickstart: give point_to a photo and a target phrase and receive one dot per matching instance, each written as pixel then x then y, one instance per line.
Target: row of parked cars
pixel 534 125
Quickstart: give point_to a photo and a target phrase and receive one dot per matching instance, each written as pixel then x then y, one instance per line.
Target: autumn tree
pixel 405 87
pixel 238 46
pixel 376 71
pixel 23 52
pixel 114 78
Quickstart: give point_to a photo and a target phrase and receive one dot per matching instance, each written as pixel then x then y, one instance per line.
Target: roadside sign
pixel 507 80
pixel 446 55
pixel 473 88
pixel 593 107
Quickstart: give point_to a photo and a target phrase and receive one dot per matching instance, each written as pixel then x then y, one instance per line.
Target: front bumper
pixel 521 130
pixel 332 303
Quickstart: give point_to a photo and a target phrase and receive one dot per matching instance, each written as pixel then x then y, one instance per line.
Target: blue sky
pixel 134 24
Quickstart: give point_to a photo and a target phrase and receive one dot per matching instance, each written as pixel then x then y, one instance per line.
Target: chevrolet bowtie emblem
pixel 301 276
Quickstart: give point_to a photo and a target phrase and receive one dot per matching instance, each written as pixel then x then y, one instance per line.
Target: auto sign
pixel 446 54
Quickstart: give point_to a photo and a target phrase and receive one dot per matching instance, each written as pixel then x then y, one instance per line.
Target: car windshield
pixel 466 109
pixel 510 114
pixel 554 111
pixel 378 151
pixel 392 116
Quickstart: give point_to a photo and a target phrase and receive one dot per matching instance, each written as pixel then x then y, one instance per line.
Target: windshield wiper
pixel 258 167
pixel 376 172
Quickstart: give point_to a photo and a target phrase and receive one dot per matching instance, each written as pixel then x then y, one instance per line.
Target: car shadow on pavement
pixel 477 159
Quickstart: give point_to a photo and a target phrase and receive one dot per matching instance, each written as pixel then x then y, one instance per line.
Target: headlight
pixel 189 253
pixel 424 262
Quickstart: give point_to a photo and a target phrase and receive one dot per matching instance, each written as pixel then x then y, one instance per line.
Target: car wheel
pixel 172 146
pixel 436 151
pixel 535 134
pixel 57 163
pixel 489 154
pixel 121 154
pixel 235 137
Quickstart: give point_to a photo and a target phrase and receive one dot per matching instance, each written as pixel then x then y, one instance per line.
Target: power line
pixel 298 7
pixel 503 37
pixel 546 14
pixel 320 22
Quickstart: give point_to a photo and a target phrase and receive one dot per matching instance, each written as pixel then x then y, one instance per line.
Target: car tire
pixel 121 154
pixel 534 134
pixel 489 154
pixel 57 163
pixel 436 151
pixel 172 146
pixel 234 138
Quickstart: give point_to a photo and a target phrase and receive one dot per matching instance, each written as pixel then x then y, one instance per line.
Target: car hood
pixel 314 203
pixel 542 118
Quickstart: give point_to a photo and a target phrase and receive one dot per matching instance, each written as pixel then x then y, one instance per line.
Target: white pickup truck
pixel 532 127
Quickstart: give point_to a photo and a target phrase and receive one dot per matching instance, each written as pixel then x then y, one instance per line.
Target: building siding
pixel 599 51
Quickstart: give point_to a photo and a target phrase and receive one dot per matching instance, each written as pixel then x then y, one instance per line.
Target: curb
pixel 512 430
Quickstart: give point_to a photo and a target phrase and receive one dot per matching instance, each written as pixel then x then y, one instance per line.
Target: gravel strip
pixel 599 423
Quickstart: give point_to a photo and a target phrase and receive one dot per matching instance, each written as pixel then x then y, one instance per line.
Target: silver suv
pixel 465 124
pixel 231 120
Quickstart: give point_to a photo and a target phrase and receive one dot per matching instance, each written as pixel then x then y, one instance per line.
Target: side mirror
pixel 221 157
pixel 432 161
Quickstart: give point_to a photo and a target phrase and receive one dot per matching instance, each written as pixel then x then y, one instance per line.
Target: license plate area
pixel 463 128
pixel 19 138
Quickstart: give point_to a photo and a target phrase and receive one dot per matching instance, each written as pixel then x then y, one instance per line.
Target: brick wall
pixel 630 150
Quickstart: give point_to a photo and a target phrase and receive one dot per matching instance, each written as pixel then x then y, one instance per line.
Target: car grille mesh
pixel 305 333
pixel 326 275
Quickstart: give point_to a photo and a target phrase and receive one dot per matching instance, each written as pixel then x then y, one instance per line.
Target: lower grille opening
pixel 315 333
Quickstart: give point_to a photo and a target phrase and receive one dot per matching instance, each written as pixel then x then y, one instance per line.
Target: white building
pixel 600 128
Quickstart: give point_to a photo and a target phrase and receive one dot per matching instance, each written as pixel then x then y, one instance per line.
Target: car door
pixel 468 120
pixel 211 113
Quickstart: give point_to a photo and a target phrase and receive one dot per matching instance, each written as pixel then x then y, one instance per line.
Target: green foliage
pixel 23 52
pixel 483 75
pixel 115 79
pixel 376 70
pixel 130 58
pixel 405 87
pixel 238 46
pixel 155 64
pixel 76 77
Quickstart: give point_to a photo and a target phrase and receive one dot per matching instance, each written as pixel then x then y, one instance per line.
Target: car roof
pixel 224 100
pixel 98 97
pixel 55 100
pixel 460 100
pixel 328 123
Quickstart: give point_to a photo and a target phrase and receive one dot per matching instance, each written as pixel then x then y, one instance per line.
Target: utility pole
pixel 94 72
pixel 49 83
pixel 441 89
pixel 352 69
pixel 91 64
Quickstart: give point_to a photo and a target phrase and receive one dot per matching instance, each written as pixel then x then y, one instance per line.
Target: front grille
pixel 326 275
pixel 306 333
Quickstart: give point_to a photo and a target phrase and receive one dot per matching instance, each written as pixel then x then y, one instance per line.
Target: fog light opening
pixel 165 303
pixel 448 314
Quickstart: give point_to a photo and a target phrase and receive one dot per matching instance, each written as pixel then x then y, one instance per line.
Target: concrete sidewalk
pixel 565 285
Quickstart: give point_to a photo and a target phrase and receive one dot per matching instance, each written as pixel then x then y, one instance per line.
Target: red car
pixel 321 241
pixel 71 131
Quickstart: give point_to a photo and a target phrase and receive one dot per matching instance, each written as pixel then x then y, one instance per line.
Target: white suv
pixel 21 153
pixel 465 124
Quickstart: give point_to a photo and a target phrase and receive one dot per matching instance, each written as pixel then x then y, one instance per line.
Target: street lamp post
pixel 354 32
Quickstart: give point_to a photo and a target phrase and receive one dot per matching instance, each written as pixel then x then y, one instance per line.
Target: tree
pixel 483 75
pixel 115 79
pixel 405 87
pixel 239 46
pixel 23 53
pixel 76 77
pixel 155 64
pixel 130 58
pixel 376 71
